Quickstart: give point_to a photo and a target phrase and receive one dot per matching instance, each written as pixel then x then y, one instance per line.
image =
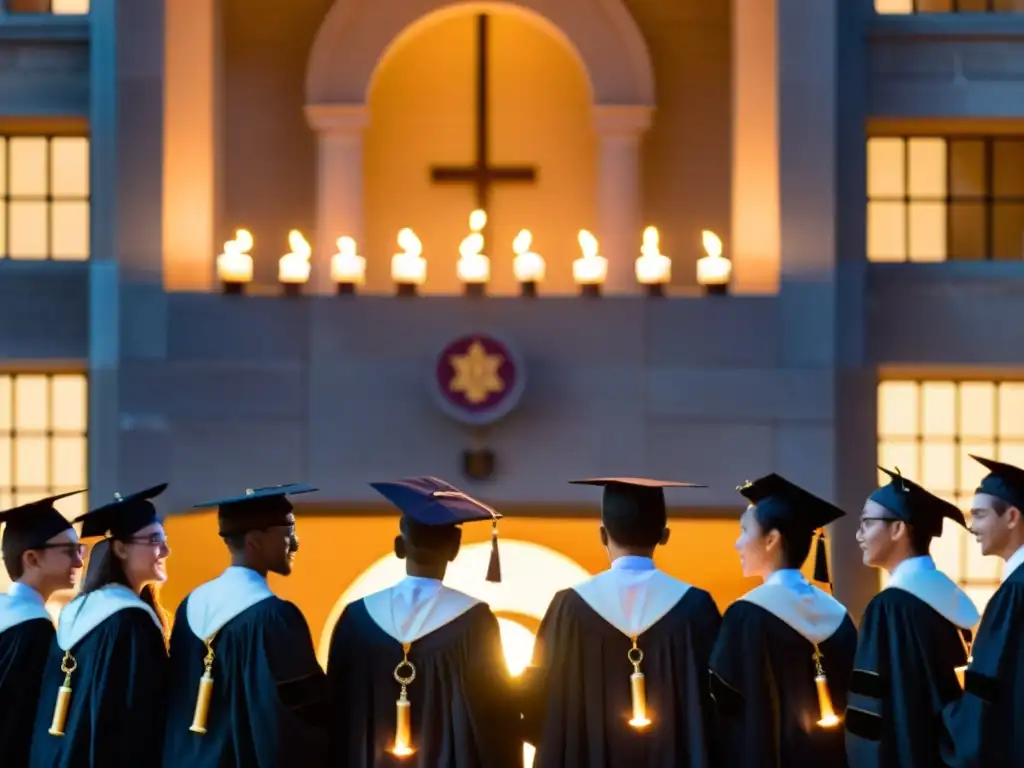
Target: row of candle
pixel 409 267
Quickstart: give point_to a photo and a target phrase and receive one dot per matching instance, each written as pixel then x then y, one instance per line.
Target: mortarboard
pixel 122 517
pixel 432 502
pixel 32 525
pixel 626 497
pixel 915 506
pixel 1004 481
pixel 778 498
pixel 257 508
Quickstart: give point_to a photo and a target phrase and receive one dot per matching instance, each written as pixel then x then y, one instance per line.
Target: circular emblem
pixel 478 379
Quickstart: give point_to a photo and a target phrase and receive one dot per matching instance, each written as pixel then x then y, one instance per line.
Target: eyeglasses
pixel 156 540
pixel 69 549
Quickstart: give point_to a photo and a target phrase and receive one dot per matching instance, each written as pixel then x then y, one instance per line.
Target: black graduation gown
pixel 268 705
pixel 24 649
pixel 118 697
pixel 984 725
pixel 903 676
pixel 762 681
pixel 463 712
pixel 579 701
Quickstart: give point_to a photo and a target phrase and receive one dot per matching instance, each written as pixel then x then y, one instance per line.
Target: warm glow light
pixel 517 643
pixel 473 266
pixel 294 267
pixel 591 268
pixel 528 267
pixel 477 220
pixel 235 264
pixel 409 266
pixel 347 266
pixel 713 269
pixel 652 267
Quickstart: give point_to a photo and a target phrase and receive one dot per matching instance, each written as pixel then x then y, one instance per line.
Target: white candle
pixel 591 268
pixel 528 267
pixel 652 267
pixel 409 267
pixel 347 266
pixel 235 264
pixel 473 266
pixel 294 267
pixel 713 269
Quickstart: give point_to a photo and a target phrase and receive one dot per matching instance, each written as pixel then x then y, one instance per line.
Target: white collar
pixel 632 599
pixel 920 577
pixel 1015 561
pixel 21 603
pixel 415 607
pixel 810 612
pixel 215 603
pixel 88 610
pixel 632 563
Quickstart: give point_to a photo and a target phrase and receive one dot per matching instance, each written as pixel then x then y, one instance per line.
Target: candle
pixel 653 268
pixel 234 266
pixel 348 268
pixel 713 270
pixel 409 268
pixel 294 267
pixel 474 268
pixel 591 269
pixel 528 267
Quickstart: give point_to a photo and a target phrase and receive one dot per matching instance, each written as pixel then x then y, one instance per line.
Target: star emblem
pixel 476 374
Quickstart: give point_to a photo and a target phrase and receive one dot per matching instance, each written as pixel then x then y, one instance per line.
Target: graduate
pixel 781 666
pixel 102 701
pixel 913 635
pixel 246 688
pixel 620 667
pixel 983 726
pixel 42 555
pixel 417 672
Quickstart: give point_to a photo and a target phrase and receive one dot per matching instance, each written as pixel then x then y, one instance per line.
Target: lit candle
pixel 293 268
pixel 409 268
pixel 713 270
pixel 591 269
pixel 653 268
pixel 474 268
pixel 528 267
pixel 234 266
pixel 348 268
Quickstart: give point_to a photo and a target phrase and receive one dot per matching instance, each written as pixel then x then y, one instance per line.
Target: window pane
pixel 1011 409
pixel 927 241
pixel 6 391
pixel 886 174
pixel 31 406
pixel 27 235
pixel 70 404
pixel 971 471
pixel 31 464
pixel 926 166
pixel 28 166
pixel 977 409
pixel 887 231
pixel 898 409
pixel 938 408
pixel 981 568
pixel 6 502
pixel 967 231
pixel 1011 452
pixel 1007 230
pixel 894 6
pixel 6 476
pixel 938 465
pixel 72 506
pixel 70 6
pixel 70 230
pixel 981 595
pixel 904 454
pixel 967 168
pixel 3 168
pixel 946 551
pixel 70 167
pixel 69 468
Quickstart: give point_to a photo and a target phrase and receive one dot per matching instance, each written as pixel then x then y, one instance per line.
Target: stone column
pixel 339 210
pixel 619 213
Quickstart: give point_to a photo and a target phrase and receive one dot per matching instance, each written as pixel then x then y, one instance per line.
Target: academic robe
pixel 463 711
pixel 579 702
pixel 26 632
pixel 763 675
pixel 268 704
pixel 116 712
pixel 984 725
pixel 912 637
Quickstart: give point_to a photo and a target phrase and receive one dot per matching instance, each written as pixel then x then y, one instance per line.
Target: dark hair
pixel 105 568
pixel 796 541
pixel 429 544
pixel 235 542
pixel 640 531
pixel 920 540
pixel 12 554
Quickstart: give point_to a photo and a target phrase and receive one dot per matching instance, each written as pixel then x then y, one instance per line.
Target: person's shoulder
pixel 700 600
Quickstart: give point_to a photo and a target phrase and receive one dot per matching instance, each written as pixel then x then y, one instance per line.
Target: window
pixel 935 199
pixel 44 188
pixel 43 438
pixel 948 6
pixel 48 6
pixel 927 429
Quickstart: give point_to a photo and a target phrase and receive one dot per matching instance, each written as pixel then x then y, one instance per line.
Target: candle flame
pixel 242 243
pixel 651 240
pixel 522 242
pixel 712 243
pixel 299 245
pixel 477 220
pixel 346 246
pixel 588 244
pixel 409 243
pixel 471 245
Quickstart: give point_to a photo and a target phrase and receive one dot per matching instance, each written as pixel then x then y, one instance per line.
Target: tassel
pixel 828 713
pixel 202 711
pixel 60 709
pixel 961 671
pixel 494 566
pixel 403 707
pixel 638 689
pixel 821 562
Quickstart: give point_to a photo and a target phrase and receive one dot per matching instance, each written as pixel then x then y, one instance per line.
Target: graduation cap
pixel 432 502
pixel 631 497
pixel 122 517
pixel 256 509
pixel 1004 481
pixel 796 508
pixel 915 506
pixel 32 525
